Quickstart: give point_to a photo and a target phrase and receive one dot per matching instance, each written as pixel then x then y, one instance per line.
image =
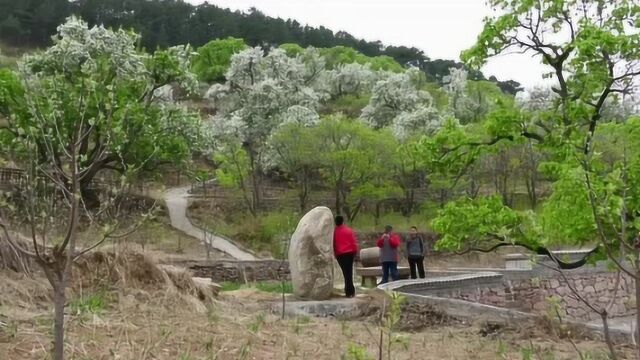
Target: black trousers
pixel 419 263
pixel 346 264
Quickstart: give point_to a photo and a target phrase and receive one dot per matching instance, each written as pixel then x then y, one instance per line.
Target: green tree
pixel 84 105
pixel 592 49
pixel 355 160
pixel 293 148
pixel 214 58
pixel 97 78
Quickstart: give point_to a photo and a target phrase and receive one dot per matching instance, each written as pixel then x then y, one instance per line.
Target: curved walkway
pixel 177 203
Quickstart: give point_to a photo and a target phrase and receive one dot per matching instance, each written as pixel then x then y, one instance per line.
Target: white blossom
pixel 351 78
pixel 78 48
pixel 391 96
pixel 422 121
pixel 262 91
pixel 301 115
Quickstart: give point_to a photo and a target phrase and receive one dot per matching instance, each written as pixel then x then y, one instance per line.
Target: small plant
pixel 212 313
pixel 346 330
pixel 8 329
pixel 356 352
pixel 257 324
pixel 91 304
pixel 389 324
pixel 245 350
pixel 502 350
pixel 298 322
pixel 535 282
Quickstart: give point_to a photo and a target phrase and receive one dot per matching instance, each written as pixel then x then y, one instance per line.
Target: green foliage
pixel 567 216
pixel 230 286
pixel 95 80
pixel 355 157
pixel 391 321
pixel 592 165
pixel 94 303
pixel 340 55
pixel 214 58
pixel 356 352
pixel 475 221
pixel 256 325
pixel 292 50
pixel 275 287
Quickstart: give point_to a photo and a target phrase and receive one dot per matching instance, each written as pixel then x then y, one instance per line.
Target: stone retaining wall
pixel 240 271
pixel 538 290
pixel 537 294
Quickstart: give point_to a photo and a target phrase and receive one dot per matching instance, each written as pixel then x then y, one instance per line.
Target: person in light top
pixel 415 253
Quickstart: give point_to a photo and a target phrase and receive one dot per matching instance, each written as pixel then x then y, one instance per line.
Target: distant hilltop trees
pixel 173 22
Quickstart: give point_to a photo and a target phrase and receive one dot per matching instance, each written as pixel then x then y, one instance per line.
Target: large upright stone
pixel 311 255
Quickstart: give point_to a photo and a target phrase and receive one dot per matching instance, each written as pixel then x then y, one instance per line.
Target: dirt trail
pixel 177 204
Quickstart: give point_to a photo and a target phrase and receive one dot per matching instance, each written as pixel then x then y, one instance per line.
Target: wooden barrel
pixel 370 257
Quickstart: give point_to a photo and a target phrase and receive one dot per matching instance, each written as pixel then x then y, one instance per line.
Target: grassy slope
pixel 146 322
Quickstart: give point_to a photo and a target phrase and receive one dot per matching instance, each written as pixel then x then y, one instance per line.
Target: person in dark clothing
pixel 388 244
pixel 345 249
pixel 415 253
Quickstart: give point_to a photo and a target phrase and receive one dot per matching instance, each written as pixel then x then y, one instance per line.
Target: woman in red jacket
pixel 345 248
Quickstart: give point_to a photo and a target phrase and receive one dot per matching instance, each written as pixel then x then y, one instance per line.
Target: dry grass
pixel 151 312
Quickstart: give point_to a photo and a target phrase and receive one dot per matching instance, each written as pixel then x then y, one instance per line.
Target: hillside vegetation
pixel 174 22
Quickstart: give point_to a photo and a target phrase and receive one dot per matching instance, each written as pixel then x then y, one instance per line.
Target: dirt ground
pixel 129 312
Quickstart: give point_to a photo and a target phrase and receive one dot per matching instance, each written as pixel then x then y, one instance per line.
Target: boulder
pixel 311 255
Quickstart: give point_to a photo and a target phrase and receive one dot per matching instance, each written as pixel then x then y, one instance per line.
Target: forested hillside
pixel 164 23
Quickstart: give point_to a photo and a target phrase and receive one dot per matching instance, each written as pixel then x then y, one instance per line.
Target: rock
pixel 311 255
pixel 208 285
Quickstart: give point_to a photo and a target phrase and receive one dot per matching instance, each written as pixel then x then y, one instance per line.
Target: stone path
pixel 177 203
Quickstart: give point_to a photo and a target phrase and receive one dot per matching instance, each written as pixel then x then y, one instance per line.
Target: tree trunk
pixel 256 180
pixel 304 192
pixel 59 299
pixel 409 198
pixel 376 215
pixel 89 195
pixel 637 330
pixel 338 204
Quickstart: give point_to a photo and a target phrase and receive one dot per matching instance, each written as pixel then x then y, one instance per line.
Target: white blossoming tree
pixel 471 101
pixel 84 105
pixel 261 92
pixel 392 96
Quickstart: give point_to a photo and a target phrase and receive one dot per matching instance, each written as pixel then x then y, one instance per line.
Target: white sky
pixel 442 28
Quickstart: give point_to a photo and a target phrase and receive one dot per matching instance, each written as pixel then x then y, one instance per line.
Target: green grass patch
pixel 264 286
pixel 89 304
pixel 275 287
pixel 230 286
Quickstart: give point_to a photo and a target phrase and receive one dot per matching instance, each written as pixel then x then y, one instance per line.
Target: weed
pixel 345 328
pixel 502 349
pixel 185 356
pixel 298 322
pixel 256 325
pixel 356 352
pixel 8 329
pixel 230 286
pixel 275 287
pixel 212 313
pixel 245 350
pixel 390 323
pixel 91 304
